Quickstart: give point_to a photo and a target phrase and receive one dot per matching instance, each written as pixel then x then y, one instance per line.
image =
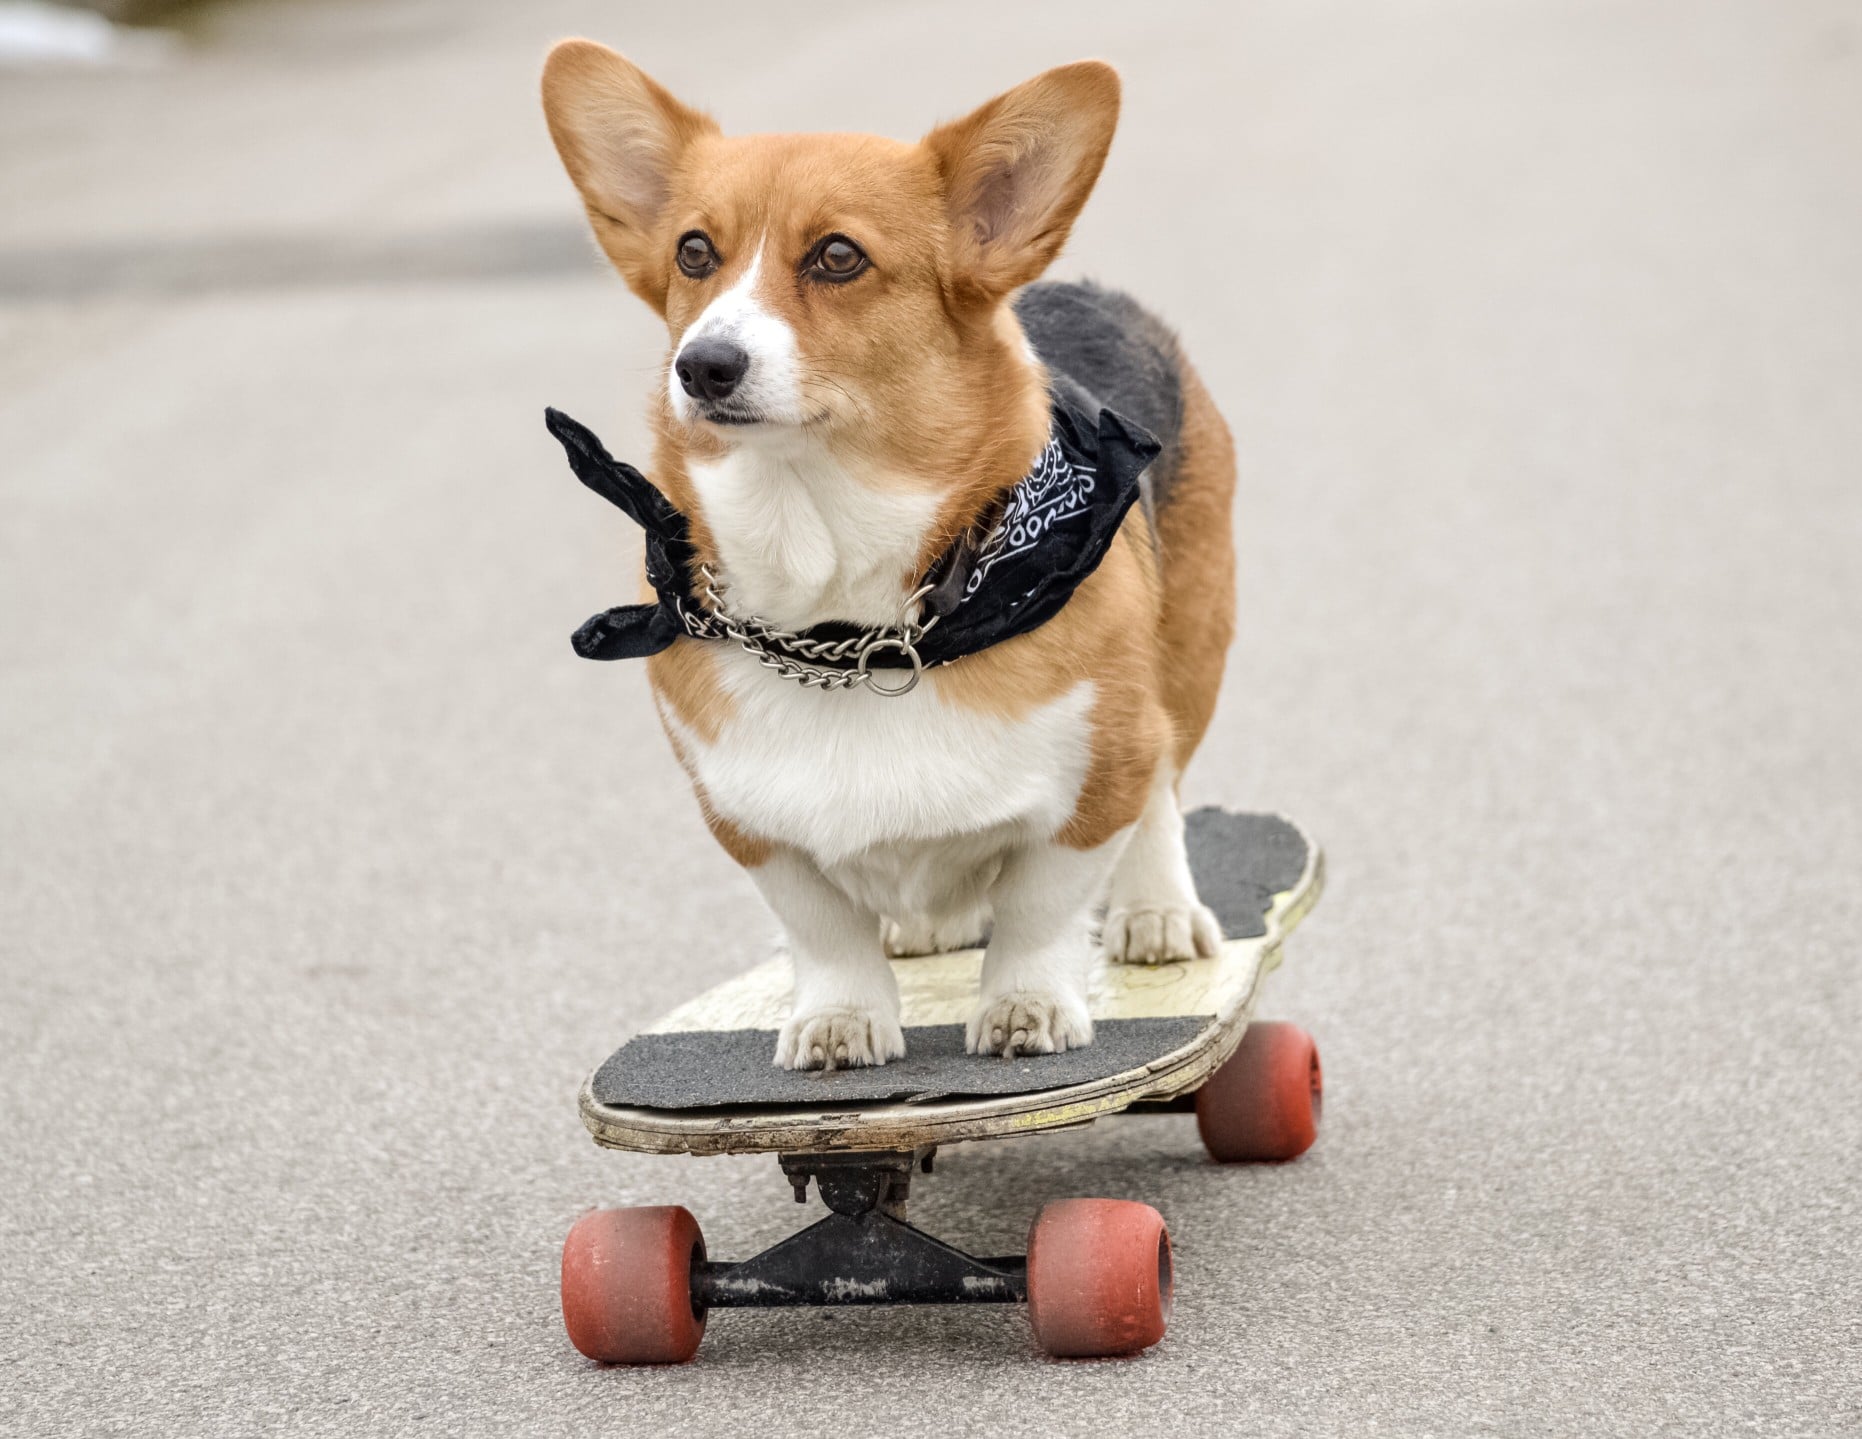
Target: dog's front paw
pixel 1153 934
pixel 1029 1022
pixel 838 1039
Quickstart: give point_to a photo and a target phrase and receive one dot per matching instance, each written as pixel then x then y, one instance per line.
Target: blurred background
pixel 327 872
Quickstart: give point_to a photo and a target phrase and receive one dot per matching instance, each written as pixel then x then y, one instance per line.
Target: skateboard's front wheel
pixel 1264 1103
pixel 627 1285
pixel 1099 1277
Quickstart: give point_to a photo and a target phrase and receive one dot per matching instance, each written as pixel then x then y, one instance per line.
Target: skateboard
pixel 638 1285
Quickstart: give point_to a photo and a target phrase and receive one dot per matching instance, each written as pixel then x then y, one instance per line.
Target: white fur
pixel 802 540
pixel 912 807
pixel 838 775
pixel 1033 993
pixel 846 1006
pixel 1152 913
pixel 772 385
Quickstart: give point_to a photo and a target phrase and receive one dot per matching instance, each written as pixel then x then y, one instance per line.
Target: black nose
pixel 710 368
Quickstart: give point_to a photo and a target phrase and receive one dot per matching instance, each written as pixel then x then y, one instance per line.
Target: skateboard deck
pixel 701 1081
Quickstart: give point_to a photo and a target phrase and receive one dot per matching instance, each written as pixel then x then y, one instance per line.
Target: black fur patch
pixel 1122 357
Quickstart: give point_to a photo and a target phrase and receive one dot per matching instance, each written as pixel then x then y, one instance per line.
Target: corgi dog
pixel 862 371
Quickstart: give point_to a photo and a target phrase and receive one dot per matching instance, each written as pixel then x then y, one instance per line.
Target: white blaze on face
pixel 802 534
pixel 771 387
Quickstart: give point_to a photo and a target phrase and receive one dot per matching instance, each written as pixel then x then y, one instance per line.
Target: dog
pixel 863 374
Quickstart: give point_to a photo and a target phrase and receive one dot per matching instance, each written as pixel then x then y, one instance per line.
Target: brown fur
pixel 1194 535
pixel 748 850
pixel 685 679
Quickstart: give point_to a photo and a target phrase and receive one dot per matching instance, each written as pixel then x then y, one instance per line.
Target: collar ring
pixel 904 647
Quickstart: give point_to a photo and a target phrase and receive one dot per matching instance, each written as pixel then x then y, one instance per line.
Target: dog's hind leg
pixel 919 934
pixel 1152 912
pixel 958 917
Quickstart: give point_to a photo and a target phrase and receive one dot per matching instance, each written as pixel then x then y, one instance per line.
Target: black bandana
pixel 1051 533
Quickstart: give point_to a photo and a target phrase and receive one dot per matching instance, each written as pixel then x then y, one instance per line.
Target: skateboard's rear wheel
pixel 1264 1103
pixel 627 1285
pixel 1099 1277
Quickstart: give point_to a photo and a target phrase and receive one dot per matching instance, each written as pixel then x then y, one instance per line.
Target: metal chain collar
pixel 790 654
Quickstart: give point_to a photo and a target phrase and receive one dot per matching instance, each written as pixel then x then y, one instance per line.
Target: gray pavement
pixel 326 872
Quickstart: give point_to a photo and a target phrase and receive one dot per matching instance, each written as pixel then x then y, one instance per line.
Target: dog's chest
pixel 801 538
pixel 838 775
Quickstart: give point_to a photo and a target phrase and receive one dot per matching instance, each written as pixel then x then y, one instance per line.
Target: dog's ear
pixel 1017 171
pixel 620 134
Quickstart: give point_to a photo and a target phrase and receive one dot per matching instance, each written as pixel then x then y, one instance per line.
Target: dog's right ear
pixel 620 134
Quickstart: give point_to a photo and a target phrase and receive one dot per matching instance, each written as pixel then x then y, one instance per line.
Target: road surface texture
pixel 329 872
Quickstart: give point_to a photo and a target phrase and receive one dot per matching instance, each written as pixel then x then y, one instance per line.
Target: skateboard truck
pixel 855 1182
pixel 864 1251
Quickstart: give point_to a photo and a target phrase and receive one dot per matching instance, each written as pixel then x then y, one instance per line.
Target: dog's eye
pixel 836 258
pixel 697 258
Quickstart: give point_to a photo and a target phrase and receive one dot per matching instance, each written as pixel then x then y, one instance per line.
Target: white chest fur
pixel 895 799
pixel 841 775
pixel 802 540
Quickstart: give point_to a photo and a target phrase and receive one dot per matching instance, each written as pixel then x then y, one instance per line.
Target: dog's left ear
pixel 1017 172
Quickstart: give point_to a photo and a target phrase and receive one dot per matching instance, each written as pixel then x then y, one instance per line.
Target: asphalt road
pixel 327 872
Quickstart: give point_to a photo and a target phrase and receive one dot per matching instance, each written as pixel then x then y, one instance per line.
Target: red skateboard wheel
pixel 1264 1103
pixel 627 1285
pixel 1099 1277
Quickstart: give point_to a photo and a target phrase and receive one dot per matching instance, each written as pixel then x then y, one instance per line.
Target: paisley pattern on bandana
pixel 1054 491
